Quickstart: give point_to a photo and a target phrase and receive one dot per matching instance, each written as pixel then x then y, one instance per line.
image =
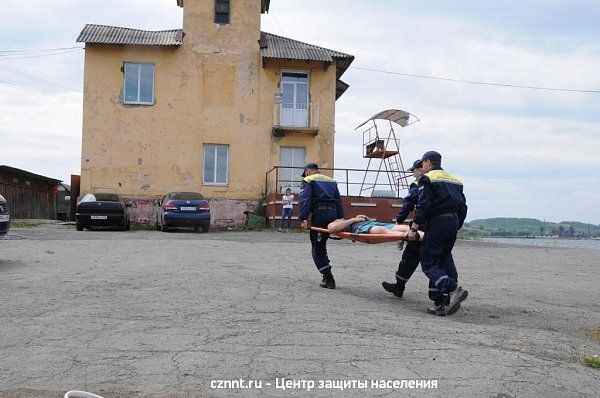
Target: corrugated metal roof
pixel 29 174
pixel 340 88
pixel 102 34
pixel 273 46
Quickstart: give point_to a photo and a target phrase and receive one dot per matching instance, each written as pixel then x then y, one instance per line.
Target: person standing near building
pixel 441 209
pixel 412 250
pixel 287 201
pixel 321 198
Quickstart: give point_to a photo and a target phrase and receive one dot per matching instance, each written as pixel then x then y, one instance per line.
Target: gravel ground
pixel 150 314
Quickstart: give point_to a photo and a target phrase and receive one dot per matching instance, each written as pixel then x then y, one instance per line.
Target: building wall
pixel 211 90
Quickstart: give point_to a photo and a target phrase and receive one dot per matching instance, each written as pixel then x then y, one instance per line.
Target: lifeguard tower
pixel 381 145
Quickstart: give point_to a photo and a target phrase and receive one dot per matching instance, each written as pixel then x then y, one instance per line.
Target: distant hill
pixel 528 227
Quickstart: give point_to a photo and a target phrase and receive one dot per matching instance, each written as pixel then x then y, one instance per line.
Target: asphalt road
pixel 150 314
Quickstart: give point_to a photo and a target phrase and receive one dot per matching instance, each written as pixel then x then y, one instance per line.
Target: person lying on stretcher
pixel 362 224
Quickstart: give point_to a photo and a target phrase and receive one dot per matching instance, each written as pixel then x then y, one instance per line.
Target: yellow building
pixel 208 108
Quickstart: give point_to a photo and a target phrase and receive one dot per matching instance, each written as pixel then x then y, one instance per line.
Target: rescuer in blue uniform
pixel 321 197
pixel 412 250
pixel 441 210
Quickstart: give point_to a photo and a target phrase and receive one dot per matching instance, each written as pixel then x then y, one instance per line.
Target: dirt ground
pixel 151 314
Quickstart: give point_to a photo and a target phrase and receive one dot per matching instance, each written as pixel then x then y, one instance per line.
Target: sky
pixel 519 152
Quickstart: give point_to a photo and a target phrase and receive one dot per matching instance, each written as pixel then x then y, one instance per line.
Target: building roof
pixel 29 174
pixel 340 88
pixel 103 34
pixel 273 46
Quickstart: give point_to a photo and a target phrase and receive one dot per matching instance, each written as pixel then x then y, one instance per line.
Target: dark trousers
pixel 408 263
pixel 286 215
pixel 436 256
pixel 321 218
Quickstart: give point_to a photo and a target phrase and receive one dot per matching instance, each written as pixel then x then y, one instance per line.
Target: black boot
pixel 438 309
pixel 396 289
pixel 328 282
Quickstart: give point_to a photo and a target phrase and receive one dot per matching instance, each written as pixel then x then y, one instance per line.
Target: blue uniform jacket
pixel 440 193
pixel 409 203
pixel 319 190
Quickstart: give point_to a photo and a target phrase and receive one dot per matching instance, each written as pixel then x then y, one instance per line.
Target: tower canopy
pixel 393 115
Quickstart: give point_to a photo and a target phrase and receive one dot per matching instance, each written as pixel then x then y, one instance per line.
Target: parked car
pixel 4 216
pixel 102 209
pixel 183 209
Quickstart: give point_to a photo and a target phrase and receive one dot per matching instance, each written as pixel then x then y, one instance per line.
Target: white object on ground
pixel 80 394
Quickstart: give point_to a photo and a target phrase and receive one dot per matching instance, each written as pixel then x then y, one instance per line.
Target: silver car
pixel 4 216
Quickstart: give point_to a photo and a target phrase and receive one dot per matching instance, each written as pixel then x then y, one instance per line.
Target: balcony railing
pixel 295 119
pixel 349 181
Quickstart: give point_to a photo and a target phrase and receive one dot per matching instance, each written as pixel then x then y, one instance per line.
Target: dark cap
pixel 310 166
pixel 416 165
pixel 432 155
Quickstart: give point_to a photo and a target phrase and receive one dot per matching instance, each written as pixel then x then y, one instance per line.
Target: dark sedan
pixel 183 209
pixel 102 209
pixel 4 217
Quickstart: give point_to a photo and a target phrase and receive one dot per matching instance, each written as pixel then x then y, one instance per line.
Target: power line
pixel 2 82
pixel 476 82
pixel 39 50
pixel 42 55
pixel 39 79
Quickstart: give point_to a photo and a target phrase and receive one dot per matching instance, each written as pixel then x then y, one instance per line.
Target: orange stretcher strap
pixel 369 238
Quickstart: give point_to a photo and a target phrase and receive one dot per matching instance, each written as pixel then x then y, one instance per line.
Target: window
pixel 100 197
pixel 216 164
pixel 222 11
pixel 139 84
pixel 186 196
pixel 294 105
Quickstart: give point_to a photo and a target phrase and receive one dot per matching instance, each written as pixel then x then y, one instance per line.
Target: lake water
pixel 547 242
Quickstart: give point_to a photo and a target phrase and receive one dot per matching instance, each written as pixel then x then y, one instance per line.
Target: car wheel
pixel 163 228
pixel 196 229
pixel 79 226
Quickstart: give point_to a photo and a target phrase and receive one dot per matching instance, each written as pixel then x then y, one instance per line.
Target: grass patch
pixel 591 362
pixel 139 227
pixel 593 334
pixel 23 224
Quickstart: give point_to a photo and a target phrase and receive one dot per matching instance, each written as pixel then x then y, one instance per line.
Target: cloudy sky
pixel 520 152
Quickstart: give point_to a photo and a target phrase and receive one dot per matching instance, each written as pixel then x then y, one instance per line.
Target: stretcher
pixel 369 238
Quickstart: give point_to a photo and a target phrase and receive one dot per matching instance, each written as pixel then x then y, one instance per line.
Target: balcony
pixel 295 119
pixel 383 204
